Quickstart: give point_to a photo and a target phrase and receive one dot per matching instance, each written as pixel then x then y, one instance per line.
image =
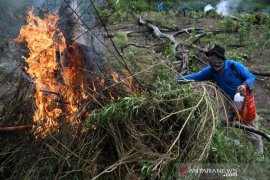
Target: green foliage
pixel 110 3
pixel 193 65
pixel 235 56
pixel 124 110
pixel 166 87
pixel 131 108
pixel 121 39
pixel 169 51
pixel 259 6
pixel 248 18
pixel 118 17
pixel 147 166
pixel 212 14
pixel 229 25
pixel 138 5
pixel 249 53
pixel 139 59
pixel 133 53
pixel 193 5
pixel 142 115
pixel 160 19
pixel 245 29
pixel 231 149
pixel 196 14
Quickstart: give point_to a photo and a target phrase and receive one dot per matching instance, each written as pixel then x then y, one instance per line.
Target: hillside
pixel 113 108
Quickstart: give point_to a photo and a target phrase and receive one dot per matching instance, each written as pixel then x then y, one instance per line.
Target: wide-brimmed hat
pixel 218 50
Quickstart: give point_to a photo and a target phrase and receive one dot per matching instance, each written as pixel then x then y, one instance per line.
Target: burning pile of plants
pixel 106 124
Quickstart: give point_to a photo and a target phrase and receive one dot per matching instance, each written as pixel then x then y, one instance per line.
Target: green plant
pixel 139 5
pixel 212 14
pixel 161 19
pixel 121 39
pixel 249 53
pixel 231 149
pixel 169 51
pixel 229 25
pixel 235 56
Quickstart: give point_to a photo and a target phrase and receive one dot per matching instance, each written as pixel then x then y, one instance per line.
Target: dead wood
pixel 246 128
pixel 171 37
pixel 199 36
pixel 128 33
pixel 261 73
pixel 201 61
pixel 188 31
pixel 185 69
pixel 234 18
pixel 142 46
pixel 156 31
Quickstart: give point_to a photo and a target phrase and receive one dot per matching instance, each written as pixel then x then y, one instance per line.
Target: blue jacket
pixel 228 80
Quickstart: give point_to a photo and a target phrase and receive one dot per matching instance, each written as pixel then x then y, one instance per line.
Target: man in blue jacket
pixel 231 77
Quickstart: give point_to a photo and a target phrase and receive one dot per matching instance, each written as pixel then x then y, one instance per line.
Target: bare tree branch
pixel 246 128
pixel 260 73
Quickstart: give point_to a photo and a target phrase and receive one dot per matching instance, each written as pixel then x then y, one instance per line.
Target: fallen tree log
pixel 176 43
pixel 171 37
pixel 187 31
pixel 157 33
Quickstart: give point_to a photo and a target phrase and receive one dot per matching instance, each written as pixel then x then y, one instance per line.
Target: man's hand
pixel 242 89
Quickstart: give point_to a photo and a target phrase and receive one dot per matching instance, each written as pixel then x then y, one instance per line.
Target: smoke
pixel 227 7
pixel 208 8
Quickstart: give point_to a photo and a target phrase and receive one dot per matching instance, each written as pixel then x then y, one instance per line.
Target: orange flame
pixel 130 86
pixel 115 77
pixel 128 80
pixel 44 40
pixel 60 87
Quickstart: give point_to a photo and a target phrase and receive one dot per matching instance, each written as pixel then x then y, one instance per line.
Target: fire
pixel 59 82
pixel 115 77
pixel 44 40
pixel 127 81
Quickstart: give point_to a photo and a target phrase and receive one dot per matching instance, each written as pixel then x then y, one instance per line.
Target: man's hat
pixel 218 50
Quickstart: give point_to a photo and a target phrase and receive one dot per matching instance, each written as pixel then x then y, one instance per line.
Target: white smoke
pixel 227 7
pixel 208 8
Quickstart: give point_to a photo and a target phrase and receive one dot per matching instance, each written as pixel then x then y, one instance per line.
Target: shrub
pixel 229 25
pixel 161 19
pixel 121 39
